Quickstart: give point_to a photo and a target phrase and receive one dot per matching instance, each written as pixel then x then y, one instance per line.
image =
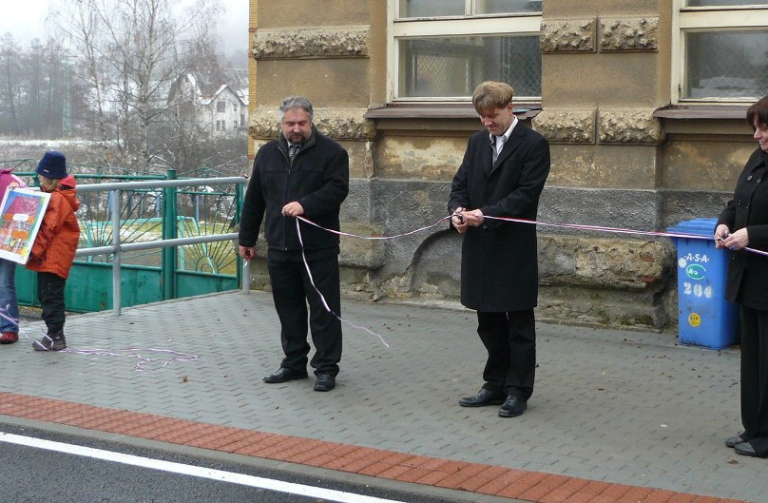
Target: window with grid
pixel 722 50
pixel 441 49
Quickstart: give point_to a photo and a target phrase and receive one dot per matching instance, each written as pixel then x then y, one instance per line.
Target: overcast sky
pixel 25 19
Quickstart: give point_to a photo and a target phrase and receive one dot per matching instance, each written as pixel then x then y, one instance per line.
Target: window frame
pixel 519 24
pixel 690 19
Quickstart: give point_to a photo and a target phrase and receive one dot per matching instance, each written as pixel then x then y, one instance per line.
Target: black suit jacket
pixel 748 271
pixel 499 266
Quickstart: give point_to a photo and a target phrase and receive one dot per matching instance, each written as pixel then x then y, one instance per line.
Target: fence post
pixel 243 267
pixel 117 299
pixel 170 231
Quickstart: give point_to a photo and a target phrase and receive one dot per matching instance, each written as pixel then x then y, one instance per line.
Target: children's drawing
pixel 22 213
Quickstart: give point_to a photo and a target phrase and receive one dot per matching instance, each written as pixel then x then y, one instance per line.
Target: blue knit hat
pixel 53 165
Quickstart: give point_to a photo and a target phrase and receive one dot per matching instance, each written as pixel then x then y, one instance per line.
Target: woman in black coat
pixel 744 223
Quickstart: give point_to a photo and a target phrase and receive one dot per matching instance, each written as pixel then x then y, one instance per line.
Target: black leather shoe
pixel 745 449
pixel 482 398
pixel 325 382
pixel 513 407
pixel 734 441
pixel 285 375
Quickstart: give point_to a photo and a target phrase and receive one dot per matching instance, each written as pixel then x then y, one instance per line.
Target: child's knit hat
pixel 53 165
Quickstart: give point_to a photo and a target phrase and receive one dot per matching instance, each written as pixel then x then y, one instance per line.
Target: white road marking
pixel 194 471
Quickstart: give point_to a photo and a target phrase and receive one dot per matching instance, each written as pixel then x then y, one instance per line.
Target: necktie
pixel 498 146
pixel 293 150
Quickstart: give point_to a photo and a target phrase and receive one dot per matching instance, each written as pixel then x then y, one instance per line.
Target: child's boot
pixel 9 337
pixel 51 342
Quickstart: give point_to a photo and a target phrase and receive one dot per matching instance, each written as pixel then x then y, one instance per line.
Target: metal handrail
pixel 148 245
pixel 179 182
pixel 117 248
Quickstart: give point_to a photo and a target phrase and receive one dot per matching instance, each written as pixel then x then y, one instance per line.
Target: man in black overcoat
pixel 502 175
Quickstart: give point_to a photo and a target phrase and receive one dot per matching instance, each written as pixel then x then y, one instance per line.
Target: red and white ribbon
pixel 617 230
pixel 312 281
pixel 581 227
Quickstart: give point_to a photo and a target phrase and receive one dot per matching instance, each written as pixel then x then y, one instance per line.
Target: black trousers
pixel 754 377
pixel 50 293
pixel 510 339
pixel 292 291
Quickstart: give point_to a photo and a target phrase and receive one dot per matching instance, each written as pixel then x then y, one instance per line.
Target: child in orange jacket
pixel 54 249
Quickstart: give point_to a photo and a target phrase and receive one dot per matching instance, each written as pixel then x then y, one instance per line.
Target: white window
pixel 721 51
pixel 439 50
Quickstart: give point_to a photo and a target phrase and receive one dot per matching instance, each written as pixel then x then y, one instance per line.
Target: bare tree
pixel 83 32
pixel 33 87
pixel 132 50
pixel 113 74
pixel 10 82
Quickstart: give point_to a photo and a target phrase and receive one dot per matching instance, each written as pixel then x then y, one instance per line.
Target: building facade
pixel 643 102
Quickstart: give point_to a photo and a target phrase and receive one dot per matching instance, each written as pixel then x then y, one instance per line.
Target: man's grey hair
pixel 292 102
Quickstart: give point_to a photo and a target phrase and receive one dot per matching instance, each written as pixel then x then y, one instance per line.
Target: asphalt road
pixel 39 466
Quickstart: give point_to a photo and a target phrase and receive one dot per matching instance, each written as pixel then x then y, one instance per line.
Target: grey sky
pixel 25 20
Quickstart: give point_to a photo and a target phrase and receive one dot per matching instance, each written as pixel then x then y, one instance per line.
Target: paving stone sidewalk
pixel 622 407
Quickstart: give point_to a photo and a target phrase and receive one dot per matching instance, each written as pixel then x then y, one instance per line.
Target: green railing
pixel 146 238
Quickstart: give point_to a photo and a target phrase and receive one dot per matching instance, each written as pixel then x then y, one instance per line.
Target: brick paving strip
pixel 456 475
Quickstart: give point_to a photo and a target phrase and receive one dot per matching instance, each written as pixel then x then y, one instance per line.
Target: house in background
pixel 221 112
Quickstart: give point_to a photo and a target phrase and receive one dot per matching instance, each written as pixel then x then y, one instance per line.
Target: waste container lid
pixel 696 227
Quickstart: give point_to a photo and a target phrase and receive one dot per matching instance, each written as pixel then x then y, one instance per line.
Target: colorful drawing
pixel 22 213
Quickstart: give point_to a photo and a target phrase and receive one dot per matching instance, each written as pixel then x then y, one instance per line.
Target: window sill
pixel 702 112
pixel 421 118
pixel 523 111
pixel 704 119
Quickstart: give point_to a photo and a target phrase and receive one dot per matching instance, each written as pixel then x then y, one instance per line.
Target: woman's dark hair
pixel 759 112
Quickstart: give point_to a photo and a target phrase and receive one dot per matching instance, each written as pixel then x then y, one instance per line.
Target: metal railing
pixel 116 249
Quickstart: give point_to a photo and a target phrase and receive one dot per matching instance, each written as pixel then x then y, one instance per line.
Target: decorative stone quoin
pixel 328 42
pixel 567 35
pixel 629 34
pixel 566 126
pixel 628 126
pixel 337 123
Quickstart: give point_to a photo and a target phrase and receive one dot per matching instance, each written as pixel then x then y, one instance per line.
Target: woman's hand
pixel 738 240
pixel 721 233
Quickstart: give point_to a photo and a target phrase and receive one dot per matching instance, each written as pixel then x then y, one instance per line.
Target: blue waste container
pixel 705 318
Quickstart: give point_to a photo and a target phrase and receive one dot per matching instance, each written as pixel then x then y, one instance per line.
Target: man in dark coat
pixel 302 172
pixel 502 175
